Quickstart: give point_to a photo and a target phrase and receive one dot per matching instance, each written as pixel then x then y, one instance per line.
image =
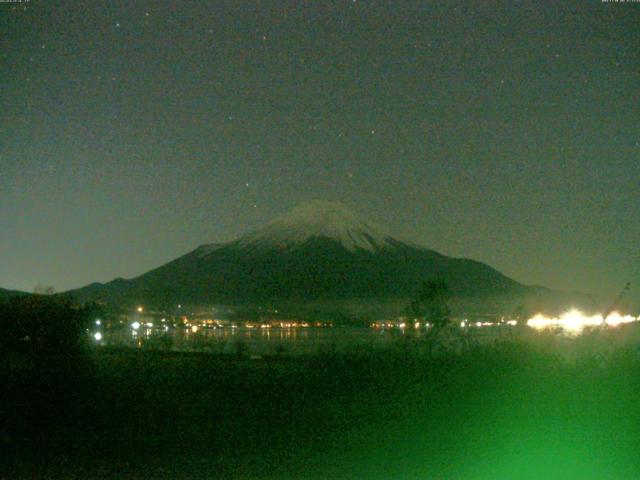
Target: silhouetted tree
pixel 43 343
pixel 431 304
pixel 42 326
pixel 40 289
pixel 522 315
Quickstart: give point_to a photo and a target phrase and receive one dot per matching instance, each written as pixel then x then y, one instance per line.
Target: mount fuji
pixel 319 251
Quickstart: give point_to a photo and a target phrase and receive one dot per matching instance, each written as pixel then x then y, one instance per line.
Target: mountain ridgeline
pixel 320 251
pixel 7 294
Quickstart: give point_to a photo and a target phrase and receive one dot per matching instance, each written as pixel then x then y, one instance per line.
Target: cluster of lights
pixel 97 336
pixel 575 321
pixel 466 323
pixel 393 324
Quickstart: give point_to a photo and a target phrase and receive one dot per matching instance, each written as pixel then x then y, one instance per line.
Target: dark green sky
pixel 131 132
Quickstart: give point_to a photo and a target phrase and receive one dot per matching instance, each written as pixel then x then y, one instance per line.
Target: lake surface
pixel 270 341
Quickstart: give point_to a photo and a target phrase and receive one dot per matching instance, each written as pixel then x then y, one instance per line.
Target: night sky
pixel 132 132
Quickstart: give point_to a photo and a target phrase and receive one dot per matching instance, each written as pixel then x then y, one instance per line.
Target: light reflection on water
pixel 254 341
pixel 269 341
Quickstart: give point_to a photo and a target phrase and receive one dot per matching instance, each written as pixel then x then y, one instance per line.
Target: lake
pixel 271 341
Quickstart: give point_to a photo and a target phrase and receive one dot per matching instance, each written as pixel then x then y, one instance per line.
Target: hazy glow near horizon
pixel 575 321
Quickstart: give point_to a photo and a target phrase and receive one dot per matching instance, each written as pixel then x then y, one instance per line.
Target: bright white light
pixel 97 336
pixel 98 322
pixel 575 321
pixel 194 329
pixel 135 325
pixel 149 324
pixel 614 319
pixel 140 309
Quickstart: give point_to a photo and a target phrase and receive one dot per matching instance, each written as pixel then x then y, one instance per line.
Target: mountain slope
pixel 318 251
pixel 6 294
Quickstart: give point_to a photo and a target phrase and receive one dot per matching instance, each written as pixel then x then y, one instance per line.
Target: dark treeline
pixel 44 360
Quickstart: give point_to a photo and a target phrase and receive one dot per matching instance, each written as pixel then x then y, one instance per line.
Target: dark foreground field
pixel 507 411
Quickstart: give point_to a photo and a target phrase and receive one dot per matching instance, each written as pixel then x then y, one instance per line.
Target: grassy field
pixel 516 409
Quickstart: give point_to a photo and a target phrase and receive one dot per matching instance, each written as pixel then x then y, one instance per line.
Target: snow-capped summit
pixel 320 219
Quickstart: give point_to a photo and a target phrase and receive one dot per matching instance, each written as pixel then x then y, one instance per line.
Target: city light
pixel 140 309
pixel 135 325
pixel 575 321
pixel 483 324
pixel 98 322
pixel 97 336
